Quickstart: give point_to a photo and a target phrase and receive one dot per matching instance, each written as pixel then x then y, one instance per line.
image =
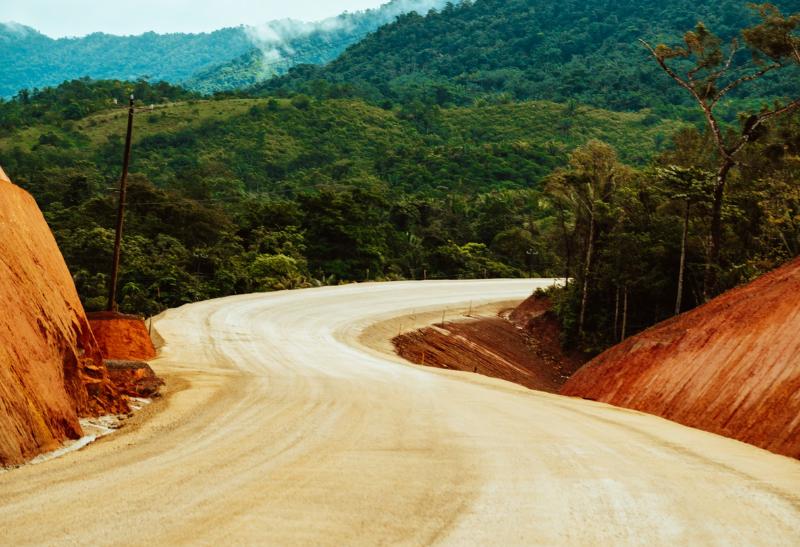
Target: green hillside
pixel 207 62
pixel 580 50
pixel 272 145
pixel 290 43
pixel 435 149
pixel 409 192
pixel 32 60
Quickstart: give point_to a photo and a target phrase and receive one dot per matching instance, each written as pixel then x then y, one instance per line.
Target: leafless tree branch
pixel 712 121
pixel 763 118
pixel 736 83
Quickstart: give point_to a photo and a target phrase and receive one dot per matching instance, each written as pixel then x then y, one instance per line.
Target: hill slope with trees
pixel 576 50
pixel 355 191
pixel 32 60
pixel 206 62
pixel 649 213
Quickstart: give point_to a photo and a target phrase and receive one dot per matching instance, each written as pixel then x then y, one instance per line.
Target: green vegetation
pixel 729 195
pixel 575 50
pixel 234 195
pixel 712 76
pixel 32 60
pixel 399 160
pixel 226 59
pixel 639 217
pixel 74 100
pixel 289 43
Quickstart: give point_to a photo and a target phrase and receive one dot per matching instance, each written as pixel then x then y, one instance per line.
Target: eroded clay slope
pixel 122 337
pixel 731 367
pixel 51 370
pixel 522 346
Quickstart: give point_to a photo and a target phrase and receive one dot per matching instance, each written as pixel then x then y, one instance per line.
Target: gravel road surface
pixel 282 427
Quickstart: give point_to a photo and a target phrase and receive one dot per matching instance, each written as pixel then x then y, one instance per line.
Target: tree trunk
pixel 682 269
pixel 616 316
pixel 715 237
pixel 567 245
pixel 625 316
pixel 586 272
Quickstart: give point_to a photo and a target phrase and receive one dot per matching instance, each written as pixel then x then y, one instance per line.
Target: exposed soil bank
pixel 51 369
pixel 731 367
pixel 134 378
pixel 520 346
pixel 122 337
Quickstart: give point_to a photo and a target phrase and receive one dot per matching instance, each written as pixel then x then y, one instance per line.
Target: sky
pixel 58 18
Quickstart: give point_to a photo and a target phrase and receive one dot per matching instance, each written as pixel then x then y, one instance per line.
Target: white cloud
pixel 273 37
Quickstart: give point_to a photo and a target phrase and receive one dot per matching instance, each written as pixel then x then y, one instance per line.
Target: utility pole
pixel 529 252
pixel 123 186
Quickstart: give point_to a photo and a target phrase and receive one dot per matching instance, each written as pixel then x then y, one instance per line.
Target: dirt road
pixel 288 431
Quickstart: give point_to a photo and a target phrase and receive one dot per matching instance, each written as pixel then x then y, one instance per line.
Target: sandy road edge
pixel 378 335
pixel 374 337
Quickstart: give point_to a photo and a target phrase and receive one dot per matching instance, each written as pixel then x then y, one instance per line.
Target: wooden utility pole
pixel 123 186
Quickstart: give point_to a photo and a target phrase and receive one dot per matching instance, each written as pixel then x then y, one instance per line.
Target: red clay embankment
pixel 522 347
pixel 51 369
pixel 731 367
pixel 122 337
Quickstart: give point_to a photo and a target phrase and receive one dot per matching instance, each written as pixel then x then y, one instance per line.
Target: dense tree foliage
pixel 635 273
pixel 206 62
pixel 400 161
pixel 773 46
pixel 280 45
pixel 235 195
pixel 32 60
pixel 581 50
pixel 76 99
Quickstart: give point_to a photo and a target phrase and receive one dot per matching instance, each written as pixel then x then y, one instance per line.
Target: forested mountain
pixel 207 62
pixel 245 194
pixel 580 50
pixel 280 45
pixel 32 60
pixel 434 149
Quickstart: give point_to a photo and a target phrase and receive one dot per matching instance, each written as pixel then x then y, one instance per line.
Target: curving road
pixel 283 429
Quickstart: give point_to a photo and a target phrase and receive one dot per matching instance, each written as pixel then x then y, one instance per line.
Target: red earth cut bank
pixel 51 369
pixel 522 346
pixel 122 337
pixel 731 367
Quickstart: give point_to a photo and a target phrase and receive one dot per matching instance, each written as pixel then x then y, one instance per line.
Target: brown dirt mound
pixel 521 346
pixel 730 367
pixel 532 308
pixel 51 370
pixel 122 337
pixel 134 378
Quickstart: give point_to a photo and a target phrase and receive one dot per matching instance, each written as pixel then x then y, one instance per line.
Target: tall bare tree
pixel 714 72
